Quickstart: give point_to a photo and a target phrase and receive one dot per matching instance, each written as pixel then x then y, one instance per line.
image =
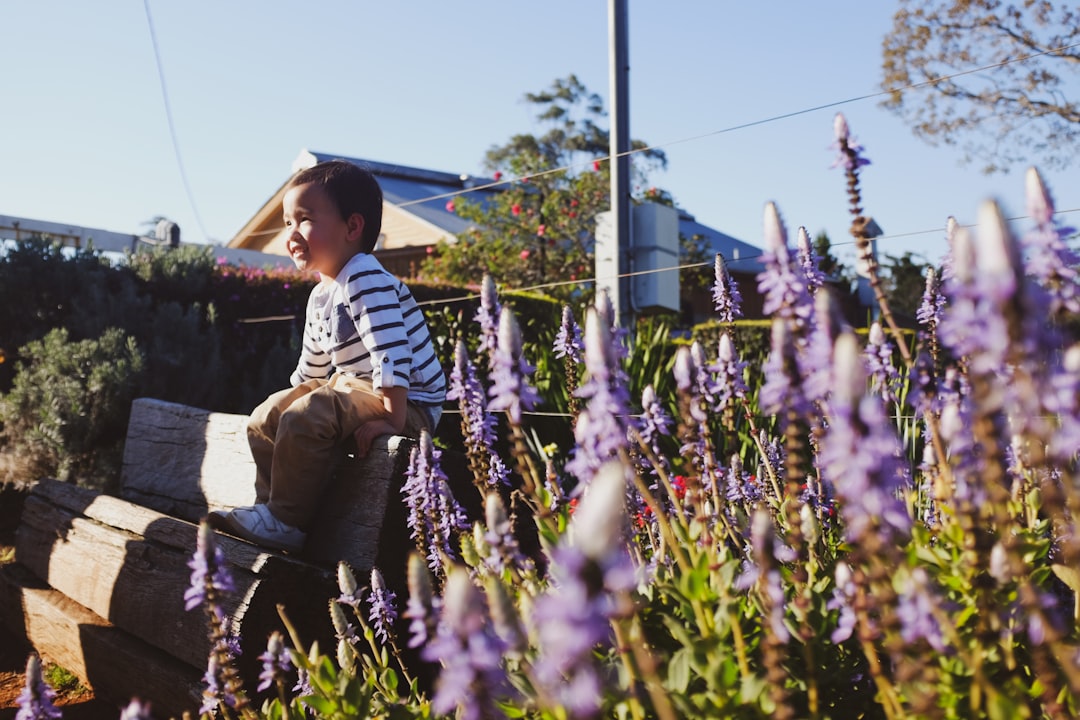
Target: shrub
pixel 66 414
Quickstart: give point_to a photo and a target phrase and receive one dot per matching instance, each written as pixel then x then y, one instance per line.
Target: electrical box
pixel 655 243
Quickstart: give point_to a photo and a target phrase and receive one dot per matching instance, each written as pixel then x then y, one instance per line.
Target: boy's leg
pixel 308 434
pixel 262 429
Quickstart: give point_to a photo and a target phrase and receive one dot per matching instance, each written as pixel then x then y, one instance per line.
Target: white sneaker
pixel 258 525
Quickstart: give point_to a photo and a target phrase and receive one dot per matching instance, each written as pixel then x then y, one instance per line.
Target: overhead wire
pixel 732 128
pixel 172 124
pixel 763 121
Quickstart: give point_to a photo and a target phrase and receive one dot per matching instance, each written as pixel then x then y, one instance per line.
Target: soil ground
pixel 77 703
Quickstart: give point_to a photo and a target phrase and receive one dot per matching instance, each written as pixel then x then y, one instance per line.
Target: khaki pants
pixel 294 435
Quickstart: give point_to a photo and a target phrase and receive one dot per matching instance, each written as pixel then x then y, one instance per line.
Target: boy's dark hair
pixel 352 189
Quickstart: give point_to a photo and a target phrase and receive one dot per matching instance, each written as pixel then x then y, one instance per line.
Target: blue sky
pixel 86 141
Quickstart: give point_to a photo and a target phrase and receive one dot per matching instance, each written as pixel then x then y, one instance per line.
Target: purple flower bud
pixel 36 699
pixel 488 315
pixel 568 343
pixel 276 661
pixel 726 296
pixel 383 613
pixel 136 710
pixel 510 390
pixel 209 571
pixel 472 680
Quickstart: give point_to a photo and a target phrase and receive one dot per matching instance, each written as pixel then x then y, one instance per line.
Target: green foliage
pixel 905 281
pixel 540 228
pixel 66 414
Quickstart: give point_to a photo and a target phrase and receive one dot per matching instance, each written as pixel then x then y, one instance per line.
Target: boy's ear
pixel 355 227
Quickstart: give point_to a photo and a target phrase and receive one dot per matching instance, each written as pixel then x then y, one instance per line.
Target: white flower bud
pixel 599 523
pixel 849 375
pixel 1040 205
pixel 775 233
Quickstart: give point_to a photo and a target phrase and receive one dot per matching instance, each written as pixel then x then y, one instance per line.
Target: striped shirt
pixel 366 323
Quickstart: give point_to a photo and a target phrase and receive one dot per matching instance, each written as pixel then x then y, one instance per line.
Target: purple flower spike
pixel 782 389
pixel 472 681
pixel 510 390
pixel 885 378
pixel 500 537
pixel 478 424
pixel 783 288
pixel 861 454
pixel 809 262
pixel 601 428
pixel 434 515
pixel 590 573
pixel 1049 258
pixel 915 610
pixel 383 612
pixel 136 710
pixel 726 296
pixel 729 386
pixel 209 571
pixel 852 158
pixel 276 662
pixel 488 315
pixel 568 343
pixel 36 699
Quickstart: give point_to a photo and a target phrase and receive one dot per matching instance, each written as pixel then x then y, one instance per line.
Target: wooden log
pixel 113 663
pixel 183 461
pixel 128 564
pixel 352 516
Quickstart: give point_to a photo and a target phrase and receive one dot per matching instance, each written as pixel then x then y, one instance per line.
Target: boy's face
pixel 320 240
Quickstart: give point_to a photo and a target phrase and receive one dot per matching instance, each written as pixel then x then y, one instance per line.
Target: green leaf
pixel 679 670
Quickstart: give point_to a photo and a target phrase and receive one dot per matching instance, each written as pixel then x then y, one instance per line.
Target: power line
pixel 741 126
pixel 172 125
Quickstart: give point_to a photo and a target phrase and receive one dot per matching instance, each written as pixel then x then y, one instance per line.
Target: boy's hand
pixel 395 400
pixel 366 434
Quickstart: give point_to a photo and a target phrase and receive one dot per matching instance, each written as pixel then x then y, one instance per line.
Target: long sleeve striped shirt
pixel 366 323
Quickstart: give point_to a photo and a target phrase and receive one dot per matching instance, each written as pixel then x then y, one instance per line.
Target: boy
pixel 367 367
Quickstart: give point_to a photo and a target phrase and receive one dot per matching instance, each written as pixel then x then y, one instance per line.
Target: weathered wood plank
pixel 185 461
pixel 351 518
pixel 135 575
pixel 116 665
pixel 182 461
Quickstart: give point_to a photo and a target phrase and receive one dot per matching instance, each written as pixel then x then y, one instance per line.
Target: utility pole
pixel 619 71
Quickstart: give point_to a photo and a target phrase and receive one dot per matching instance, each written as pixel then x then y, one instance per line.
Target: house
pixel 415 217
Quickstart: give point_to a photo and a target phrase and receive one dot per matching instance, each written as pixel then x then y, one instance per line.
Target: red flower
pixel 515 209
pixel 497 176
pixel 596 165
pixel 572 213
pixel 573 202
pixel 449 206
pixel 678 484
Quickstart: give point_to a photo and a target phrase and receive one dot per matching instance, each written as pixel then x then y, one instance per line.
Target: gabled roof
pixel 415 211
pixel 423 192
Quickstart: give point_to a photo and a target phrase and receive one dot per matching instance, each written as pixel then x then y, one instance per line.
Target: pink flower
pixel 525 254
pixel 430 249
pixel 449 206
pixel 540 230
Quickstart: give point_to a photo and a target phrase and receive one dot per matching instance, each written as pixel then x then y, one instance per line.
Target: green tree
pixel 829 264
pixel 1010 112
pixel 905 281
pixel 540 227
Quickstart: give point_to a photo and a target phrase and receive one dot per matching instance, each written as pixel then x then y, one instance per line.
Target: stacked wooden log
pixel 98 582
